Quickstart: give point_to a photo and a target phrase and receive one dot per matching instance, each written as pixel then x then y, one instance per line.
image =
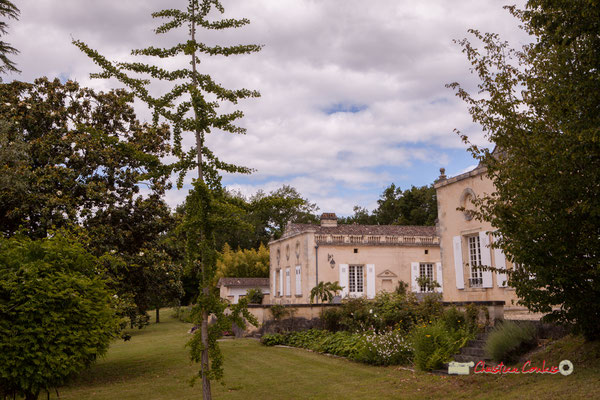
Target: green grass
pixel 155 365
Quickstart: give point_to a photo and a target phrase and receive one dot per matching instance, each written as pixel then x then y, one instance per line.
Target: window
pixel 288 282
pixel 355 279
pixel 278 282
pixel 476 278
pixel 298 280
pixel 426 271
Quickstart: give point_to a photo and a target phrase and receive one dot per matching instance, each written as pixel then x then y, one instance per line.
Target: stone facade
pixel 465 241
pixel 364 259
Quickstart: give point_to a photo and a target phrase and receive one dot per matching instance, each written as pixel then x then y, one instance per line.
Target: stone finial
pixel 442 174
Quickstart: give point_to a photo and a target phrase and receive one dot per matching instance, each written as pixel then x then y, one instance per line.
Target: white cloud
pixel 388 58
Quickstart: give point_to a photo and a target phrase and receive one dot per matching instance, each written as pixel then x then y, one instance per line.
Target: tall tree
pixel 414 206
pixel 271 213
pixel 540 105
pixel 73 157
pixel 191 106
pixel 9 10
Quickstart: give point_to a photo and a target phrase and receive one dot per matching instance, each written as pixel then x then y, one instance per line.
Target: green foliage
pixel 386 348
pixel 430 307
pixel 325 291
pixel 434 343
pixel 248 263
pixel 279 311
pixel 539 106
pixel 389 348
pixel 428 283
pixel 87 175
pixel 271 213
pixel 387 311
pixel 510 339
pixel 191 106
pixel 7 9
pixel 56 313
pixel 183 313
pixel 414 206
pixel 255 296
pixel 401 288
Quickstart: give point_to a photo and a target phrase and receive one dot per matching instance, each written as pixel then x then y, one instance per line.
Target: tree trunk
pixel 31 396
pixel 157 315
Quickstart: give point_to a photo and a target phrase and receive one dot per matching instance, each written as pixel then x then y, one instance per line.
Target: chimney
pixel 328 220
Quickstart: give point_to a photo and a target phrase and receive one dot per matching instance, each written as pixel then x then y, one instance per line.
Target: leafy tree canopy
pixel 414 206
pixel 73 157
pixel 247 263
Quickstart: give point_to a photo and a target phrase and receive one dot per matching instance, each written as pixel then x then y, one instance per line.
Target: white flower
pixel 113 251
pixel 141 254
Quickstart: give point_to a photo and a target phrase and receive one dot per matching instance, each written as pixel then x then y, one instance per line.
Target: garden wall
pixel 306 316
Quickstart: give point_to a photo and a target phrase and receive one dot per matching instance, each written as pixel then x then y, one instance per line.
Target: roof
pixel 243 282
pixel 387 230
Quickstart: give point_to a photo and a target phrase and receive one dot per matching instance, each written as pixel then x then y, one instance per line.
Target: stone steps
pixel 473 351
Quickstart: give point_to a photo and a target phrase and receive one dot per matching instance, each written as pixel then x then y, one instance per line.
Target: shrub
pixel 454 319
pixel 434 344
pixel 331 319
pixel 430 307
pixel 273 339
pixel 372 348
pixel 389 348
pixel 184 314
pixel 278 311
pixel 255 296
pixel 509 339
pixel 57 316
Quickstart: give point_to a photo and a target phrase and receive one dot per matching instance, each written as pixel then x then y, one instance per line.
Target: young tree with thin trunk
pixel 191 106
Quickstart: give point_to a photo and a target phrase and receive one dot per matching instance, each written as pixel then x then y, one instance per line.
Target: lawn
pixel 155 365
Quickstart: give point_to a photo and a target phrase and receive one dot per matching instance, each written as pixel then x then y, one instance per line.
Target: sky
pixel 353 94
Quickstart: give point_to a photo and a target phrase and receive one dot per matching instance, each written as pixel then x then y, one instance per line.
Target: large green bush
pixel 387 311
pixel 56 314
pixel 508 339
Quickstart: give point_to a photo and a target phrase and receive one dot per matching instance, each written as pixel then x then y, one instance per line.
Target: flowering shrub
pixel 388 348
pixel 371 348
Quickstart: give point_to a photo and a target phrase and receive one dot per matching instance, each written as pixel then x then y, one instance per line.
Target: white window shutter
pixel 500 261
pixel 458 262
pixel 280 282
pixel 298 280
pixel 414 274
pixel 440 277
pixel 344 279
pixel 288 282
pixel 486 259
pixel 370 281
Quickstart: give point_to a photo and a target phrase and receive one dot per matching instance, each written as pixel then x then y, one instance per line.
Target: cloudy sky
pixel 353 96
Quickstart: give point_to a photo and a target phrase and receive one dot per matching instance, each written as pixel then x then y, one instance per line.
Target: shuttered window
pixel 356 279
pixel 476 279
pixel 298 280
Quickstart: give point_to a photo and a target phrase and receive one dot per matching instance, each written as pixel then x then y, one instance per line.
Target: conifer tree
pixel 7 9
pixel 191 107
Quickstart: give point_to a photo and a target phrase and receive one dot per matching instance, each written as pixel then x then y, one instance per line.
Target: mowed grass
pixel 155 365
